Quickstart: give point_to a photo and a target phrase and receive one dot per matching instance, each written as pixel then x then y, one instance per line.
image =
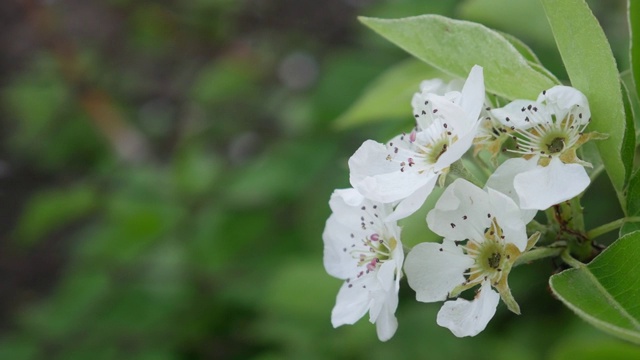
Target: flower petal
pixel 472 94
pixel 353 220
pixel 462 212
pixel 376 176
pixel 459 147
pixel 413 202
pixel 509 217
pixel 502 181
pixel 469 318
pixel 352 303
pixel 433 270
pixel 520 114
pixel 560 100
pixel 386 322
pixel 339 262
pixel 545 186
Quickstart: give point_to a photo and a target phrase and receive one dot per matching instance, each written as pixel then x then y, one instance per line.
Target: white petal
pixel 472 94
pixel 386 322
pixel 545 186
pixel 413 202
pixel 382 180
pixel 433 270
pixel 351 304
pixel 448 111
pixel 458 148
pixel 562 99
pixel 338 261
pixel 502 181
pixel 469 318
pixel 349 196
pixel 386 275
pixel 509 218
pixel 436 86
pixel 344 230
pixel 462 212
pixel 421 111
pixel 512 115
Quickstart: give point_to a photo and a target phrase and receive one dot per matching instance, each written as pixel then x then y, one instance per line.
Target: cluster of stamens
pixel 489 255
pixel 547 138
pixel 372 251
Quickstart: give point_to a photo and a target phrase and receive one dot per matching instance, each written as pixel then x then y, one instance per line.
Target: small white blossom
pixel 405 170
pixel 363 249
pixel 484 232
pixel 547 133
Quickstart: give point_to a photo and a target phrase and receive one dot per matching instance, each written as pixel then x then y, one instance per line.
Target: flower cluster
pixel 483 225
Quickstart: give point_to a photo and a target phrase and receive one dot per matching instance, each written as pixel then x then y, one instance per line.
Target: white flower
pixel 547 133
pixel 365 251
pixel 484 232
pixel 405 170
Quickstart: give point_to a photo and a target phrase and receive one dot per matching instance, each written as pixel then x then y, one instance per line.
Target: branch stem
pixel 616 224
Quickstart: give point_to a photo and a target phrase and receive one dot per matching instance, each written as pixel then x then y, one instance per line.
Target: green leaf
pixel 592 69
pixel 389 97
pixel 632 203
pixel 596 349
pixel 634 41
pixel 631 96
pixel 627 152
pixel 522 48
pixel 633 195
pixel 605 293
pixel 523 18
pixel 50 211
pixel 454 46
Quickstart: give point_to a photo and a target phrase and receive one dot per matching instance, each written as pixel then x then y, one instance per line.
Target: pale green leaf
pixel 605 293
pixel 628 148
pixel 522 48
pixel 592 69
pixel 523 18
pixel 634 40
pixel 454 46
pixel 389 97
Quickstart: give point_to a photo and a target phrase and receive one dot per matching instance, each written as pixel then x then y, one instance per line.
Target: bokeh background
pixel 165 168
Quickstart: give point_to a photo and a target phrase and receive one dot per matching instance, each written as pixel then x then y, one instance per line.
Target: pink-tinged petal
pixel 352 303
pixel 509 217
pixel 469 318
pixel 560 100
pixel 462 212
pixel 472 94
pixel 502 181
pixel 413 202
pixel 433 270
pixel 544 186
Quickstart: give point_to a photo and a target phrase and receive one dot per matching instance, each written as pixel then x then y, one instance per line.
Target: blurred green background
pixel 165 168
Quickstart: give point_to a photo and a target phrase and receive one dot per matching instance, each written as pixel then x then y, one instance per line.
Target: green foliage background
pixel 165 168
